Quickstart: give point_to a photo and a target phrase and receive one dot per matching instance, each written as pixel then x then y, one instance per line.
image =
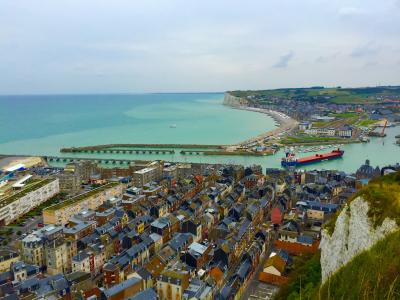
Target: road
pixel 257 289
pixel 28 227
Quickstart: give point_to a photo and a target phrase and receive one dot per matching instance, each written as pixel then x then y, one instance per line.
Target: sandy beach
pixel 285 122
pixel 9 161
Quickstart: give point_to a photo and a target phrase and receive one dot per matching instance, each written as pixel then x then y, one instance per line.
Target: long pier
pixel 96 160
pixel 192 152
pixel 148 147
pixel 118 151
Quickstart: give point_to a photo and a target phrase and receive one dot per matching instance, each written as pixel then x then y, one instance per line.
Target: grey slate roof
pixel 120 287
pixel 147 294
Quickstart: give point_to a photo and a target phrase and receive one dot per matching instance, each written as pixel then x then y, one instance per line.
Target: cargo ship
pixel 290 159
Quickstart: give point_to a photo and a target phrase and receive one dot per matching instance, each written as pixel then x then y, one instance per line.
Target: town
pixel 159 230
pixel 324 116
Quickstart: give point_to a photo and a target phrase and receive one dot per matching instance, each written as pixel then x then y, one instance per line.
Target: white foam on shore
pixel 286 123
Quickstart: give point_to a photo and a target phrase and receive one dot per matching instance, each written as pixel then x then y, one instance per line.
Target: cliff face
pixel 353 234
pixel 234 101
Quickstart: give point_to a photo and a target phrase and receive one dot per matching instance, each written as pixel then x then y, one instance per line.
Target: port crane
pixel 383 129
pixel 379 134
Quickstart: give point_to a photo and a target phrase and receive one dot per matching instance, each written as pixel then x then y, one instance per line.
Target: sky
pixel 130 46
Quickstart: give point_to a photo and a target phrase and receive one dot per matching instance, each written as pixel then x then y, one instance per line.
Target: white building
pixel 83 262
pixel 304 125
pixel 345 132
pixel 146 175
pixel 26 198
pixel 89 261
pixel 321 131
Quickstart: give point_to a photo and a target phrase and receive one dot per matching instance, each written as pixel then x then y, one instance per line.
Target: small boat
pixel 172 126
pixel 364 139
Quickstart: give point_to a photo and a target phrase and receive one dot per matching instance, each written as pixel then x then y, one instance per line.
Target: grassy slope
pixel 304 279
pixel 374 274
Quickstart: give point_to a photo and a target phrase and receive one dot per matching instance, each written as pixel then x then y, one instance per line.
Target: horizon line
pixel 189 92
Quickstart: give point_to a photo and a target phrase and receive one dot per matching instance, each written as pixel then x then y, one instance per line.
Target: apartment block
pixel 61 213
pixel 27 197
pixel 152 172
pixel 58 255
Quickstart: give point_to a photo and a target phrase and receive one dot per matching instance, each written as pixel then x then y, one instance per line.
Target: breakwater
pixel 110 147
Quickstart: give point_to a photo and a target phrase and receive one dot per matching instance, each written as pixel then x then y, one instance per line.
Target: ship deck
pixel 319 157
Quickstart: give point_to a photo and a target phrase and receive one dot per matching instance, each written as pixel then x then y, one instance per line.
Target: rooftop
pixel 32 186
pixel 83 196
pixel 122 286
pixel 145 170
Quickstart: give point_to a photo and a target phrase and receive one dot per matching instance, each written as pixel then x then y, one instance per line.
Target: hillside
pixel 373 274
pixel 320 94
pixel 360 250
pixel 304 280
pixel 383 197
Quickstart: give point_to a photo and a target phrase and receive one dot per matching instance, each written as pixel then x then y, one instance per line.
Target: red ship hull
pixel 318 157
pixel 312 159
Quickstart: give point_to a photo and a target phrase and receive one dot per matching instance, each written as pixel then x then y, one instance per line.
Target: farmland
pixel 337 95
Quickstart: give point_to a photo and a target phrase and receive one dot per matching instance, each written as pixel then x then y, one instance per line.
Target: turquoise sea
pixel 41 125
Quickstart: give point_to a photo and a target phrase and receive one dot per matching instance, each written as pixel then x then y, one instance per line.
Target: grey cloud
pixel 327 58
pixel 284 60
pixel 209 45
pixel 350 11
pixel 370 64
pixel 365 50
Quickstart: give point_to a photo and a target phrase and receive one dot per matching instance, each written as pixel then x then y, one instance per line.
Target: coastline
pixel 286 123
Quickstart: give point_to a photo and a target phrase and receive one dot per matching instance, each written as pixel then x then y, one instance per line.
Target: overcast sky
pixel 84 46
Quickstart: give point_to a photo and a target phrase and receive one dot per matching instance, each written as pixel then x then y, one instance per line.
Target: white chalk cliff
pixel 354 233
pixel 234 101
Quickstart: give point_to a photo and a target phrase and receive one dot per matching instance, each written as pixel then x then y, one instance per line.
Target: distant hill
pixel 334 95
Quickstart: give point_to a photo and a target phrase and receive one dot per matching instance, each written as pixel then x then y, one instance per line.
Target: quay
pixel 222 152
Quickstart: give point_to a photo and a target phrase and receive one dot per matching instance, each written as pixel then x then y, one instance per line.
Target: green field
pixel 366 123
pixel 320 94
